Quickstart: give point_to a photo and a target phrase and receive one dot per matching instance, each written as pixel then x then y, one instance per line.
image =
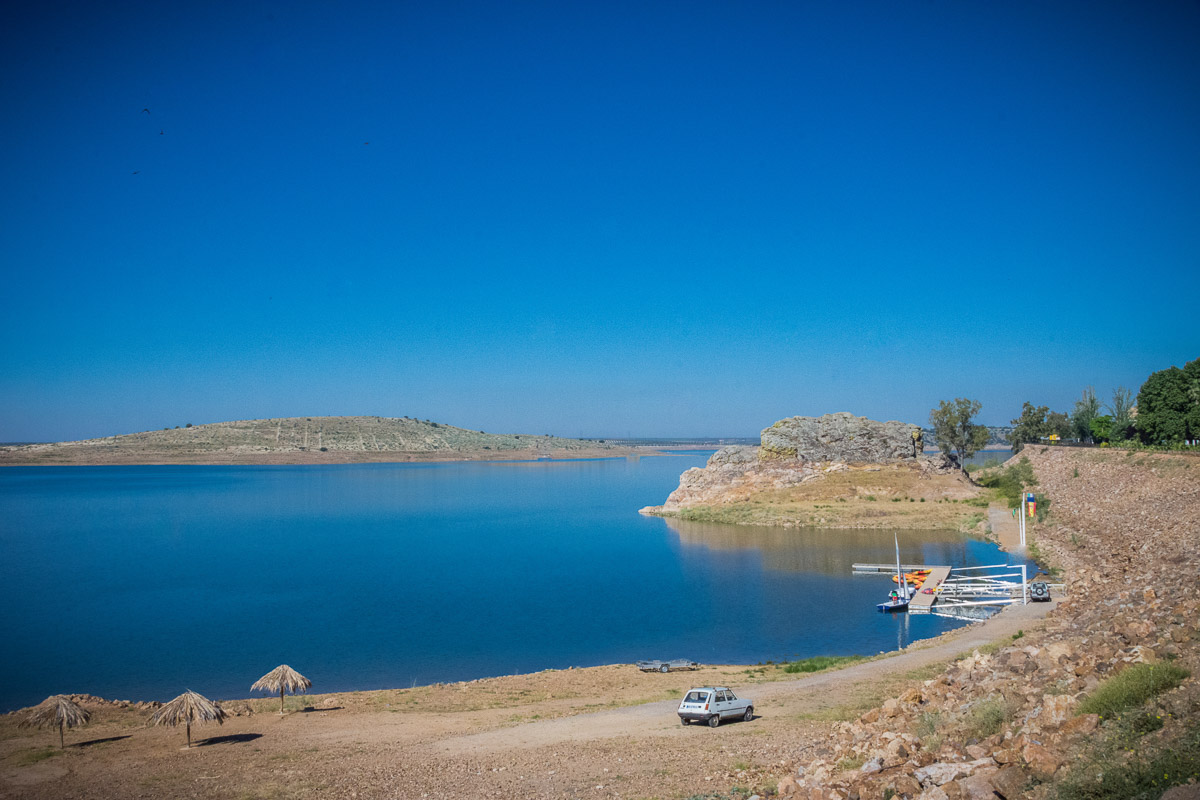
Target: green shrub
pixel 1011 481
pixel 1131 687
pixel 987 717
pixel 1144 777
pixel 818 663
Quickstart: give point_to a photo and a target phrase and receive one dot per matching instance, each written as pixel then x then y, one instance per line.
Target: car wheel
pixel 714 720
pixel 664 669
pixel 749 715
pixel 684 720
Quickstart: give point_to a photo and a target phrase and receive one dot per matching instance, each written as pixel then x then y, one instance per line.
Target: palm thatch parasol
pixel 282 678
pixel 189 707
pixel 58 711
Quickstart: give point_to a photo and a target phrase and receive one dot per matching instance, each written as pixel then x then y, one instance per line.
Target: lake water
pixel 139 582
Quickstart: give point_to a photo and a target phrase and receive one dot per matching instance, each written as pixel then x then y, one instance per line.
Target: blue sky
pixel 596 219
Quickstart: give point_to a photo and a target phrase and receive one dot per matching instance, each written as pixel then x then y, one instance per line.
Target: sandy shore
pixel 596 732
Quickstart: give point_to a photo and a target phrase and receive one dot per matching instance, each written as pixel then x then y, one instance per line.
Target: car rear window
pixel 696 697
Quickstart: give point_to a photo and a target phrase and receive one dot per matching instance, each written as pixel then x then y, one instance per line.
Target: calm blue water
pixel 138 582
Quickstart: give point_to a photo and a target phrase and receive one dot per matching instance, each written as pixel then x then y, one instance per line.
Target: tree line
pixel 1166 412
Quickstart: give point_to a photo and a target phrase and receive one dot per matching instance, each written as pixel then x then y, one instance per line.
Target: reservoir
pixel 139 582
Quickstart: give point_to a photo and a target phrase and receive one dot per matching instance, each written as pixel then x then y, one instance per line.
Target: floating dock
pixel 960 592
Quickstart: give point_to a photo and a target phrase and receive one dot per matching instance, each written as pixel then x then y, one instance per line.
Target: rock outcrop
pixel 841 437
pixel 801 450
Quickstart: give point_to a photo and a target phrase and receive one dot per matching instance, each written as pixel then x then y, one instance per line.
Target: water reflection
pixel 829 551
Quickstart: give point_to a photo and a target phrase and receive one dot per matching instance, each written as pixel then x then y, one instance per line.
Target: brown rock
pixel 1010 782
pixel 1084 723
pixel 1188 792
pixel 787 786
pixel 1057 709
pixel 978 786
pixel 1042 762
pixel 904 786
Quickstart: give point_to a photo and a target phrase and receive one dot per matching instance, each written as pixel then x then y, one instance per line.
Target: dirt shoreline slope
pixel 954 717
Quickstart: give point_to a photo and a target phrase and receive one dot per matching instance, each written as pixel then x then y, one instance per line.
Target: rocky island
pixel 838 470
pixel 306 440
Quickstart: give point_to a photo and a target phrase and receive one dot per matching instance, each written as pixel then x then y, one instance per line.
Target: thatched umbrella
pixel 60 711
pixel 282 678
pixel 189 707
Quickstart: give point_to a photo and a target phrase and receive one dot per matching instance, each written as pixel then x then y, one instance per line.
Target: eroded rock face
pixel 797 450
pixel 840 437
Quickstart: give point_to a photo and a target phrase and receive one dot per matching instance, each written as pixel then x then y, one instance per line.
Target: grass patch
pixel 1010 481
pixel 820 663
pixel 972 521
pixel 1145 776
pixel 987 717
pixel 1131 687
pixel 851 762
pixel 24 758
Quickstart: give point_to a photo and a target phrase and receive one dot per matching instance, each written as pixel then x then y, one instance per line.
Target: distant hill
pixel 305 440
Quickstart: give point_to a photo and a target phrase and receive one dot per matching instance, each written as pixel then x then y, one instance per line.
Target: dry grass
pixel 871 497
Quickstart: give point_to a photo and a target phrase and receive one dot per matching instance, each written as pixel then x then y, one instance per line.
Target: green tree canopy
pixel 1102 427
pixel 1087 408
pixel 954 430
pixel 1121 411
pixel 1163 406
pixel 1031 426
pixel 1191 377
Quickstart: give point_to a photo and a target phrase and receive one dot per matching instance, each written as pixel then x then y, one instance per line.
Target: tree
pixel 1191 376
pixel 1162 407
pixel 1102 427
pixel 1031 426
pixel 1121 411
pixel 1087 408
pixel 954 430
pixel 1059 424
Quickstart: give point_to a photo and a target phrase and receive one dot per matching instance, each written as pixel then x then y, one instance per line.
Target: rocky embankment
pixel 1124 530
pixel 303 440
pixel 805 463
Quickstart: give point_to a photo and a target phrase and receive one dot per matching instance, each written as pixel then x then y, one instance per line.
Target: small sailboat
pixel 899 599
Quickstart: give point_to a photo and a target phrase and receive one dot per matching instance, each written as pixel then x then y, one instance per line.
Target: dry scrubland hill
pixel 300 440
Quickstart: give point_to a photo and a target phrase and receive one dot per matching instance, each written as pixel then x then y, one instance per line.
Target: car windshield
pixel 696 697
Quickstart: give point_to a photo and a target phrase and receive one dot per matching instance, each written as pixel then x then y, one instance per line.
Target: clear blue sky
pixel 590 219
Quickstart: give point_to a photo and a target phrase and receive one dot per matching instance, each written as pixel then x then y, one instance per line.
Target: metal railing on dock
pixel 961 592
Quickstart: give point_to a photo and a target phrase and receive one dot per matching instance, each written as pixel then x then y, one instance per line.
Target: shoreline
pixel 309 458
pixel 994 626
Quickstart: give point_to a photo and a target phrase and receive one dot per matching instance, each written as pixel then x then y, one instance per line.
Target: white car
pixel 712 704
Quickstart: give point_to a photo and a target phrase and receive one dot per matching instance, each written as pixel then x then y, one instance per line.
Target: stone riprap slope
pixel 300 440
pixel 838 470
pixel 1124 528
